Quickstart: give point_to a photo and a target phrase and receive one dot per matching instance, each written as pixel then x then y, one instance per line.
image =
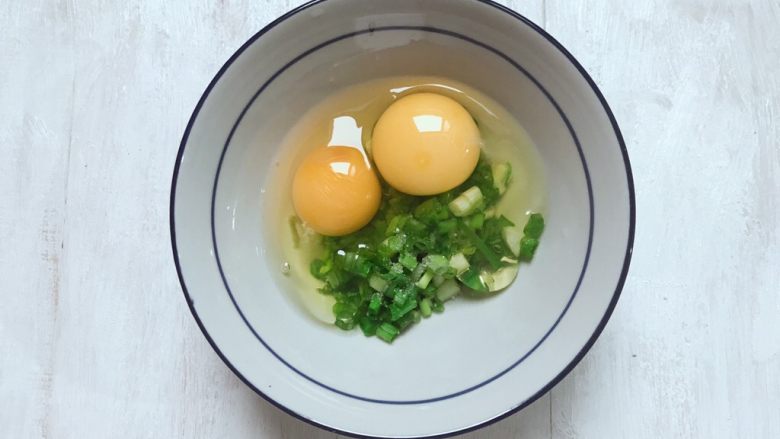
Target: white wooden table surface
pixel 95 337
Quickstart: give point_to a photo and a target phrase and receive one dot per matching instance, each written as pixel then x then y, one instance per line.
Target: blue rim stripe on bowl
pixel 386 29
pixel 577 358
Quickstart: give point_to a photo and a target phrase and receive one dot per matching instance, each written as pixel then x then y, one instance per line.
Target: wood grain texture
pixel 35 132
pixel 95 338
pixel 693 349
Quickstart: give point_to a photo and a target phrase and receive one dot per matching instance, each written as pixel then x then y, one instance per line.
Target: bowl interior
pixel 485 357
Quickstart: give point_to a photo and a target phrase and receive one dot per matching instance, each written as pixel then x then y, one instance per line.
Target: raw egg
pixel 335 190
pixel 425 144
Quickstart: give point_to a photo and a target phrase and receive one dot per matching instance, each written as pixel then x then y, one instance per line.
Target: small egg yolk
pixel 335 191
pixel 425 144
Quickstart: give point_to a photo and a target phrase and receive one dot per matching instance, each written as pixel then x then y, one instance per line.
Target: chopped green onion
pixel 431 210
pixel 418 272
pixel 472 278
pixel 476 221
pixel 397 311
pixel 368 326
pixel 408 320
pixel 345 315
pixel 447 290
pixel 419 252
pixel 375 303
pixel 504 222
pixel 336 278
pixel 491 257
pixel 396 268
pixel 468 202
pixel 459 263
pixel 436 263
pixel 415 227
pixel 423 282
pixel 535 226
pixel 408 260
pixel 392 245
pixel 354 263
pixel 395 224
pixel 425 307
pixel 320 268
pixel 377 283
pixel 387 332
pixel 502 174
pixel 447 226
pixel 528 248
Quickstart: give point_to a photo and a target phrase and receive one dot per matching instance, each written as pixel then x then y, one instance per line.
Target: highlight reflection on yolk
pixel 425 144
pixel 335 191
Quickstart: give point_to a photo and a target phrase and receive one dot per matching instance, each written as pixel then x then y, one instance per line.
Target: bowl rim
pixel 569 367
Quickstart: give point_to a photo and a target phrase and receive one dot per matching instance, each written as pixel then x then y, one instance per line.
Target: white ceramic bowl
pixel 479 361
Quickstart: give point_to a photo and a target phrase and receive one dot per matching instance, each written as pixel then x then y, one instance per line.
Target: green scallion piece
pixel 387 332
pixel 425 307
pixel 392 245
pixel 377 283
pixel 535 226
pixel 424 280
pixel 493 260
pixel 438 264
pixel 368 326
pixel 375 303
pixel 528 248
pixel 408 260
pixel 476 221
pixel 345 315
pixel 447 226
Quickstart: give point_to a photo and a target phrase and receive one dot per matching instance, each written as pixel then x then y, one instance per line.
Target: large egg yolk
pixel 425 144
pixel 335 191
